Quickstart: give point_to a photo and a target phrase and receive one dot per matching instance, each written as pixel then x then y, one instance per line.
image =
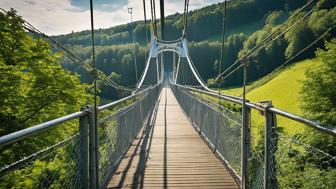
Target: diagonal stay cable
pixel 284 32
pixel 270 38
pixel 74 58
pixel 29 27
pixel 294 56
pixel 249 54
pixel 310 45
pixel 265 45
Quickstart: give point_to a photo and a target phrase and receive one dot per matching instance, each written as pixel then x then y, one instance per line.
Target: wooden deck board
pixel 170 154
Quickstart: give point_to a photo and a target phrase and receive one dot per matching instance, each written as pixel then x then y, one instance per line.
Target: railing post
pixel 93 151
pixel 245 153
pixel 201 114
pixel 132 121
pixel 218 125
pixel 270 136
pixel 84 149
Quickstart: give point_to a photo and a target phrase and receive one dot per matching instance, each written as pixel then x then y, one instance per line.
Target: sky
pixel 55 17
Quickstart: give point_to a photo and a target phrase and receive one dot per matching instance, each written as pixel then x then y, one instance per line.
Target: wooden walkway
pixel 169 153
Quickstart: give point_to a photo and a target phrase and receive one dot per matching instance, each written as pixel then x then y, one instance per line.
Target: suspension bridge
pixel 173 131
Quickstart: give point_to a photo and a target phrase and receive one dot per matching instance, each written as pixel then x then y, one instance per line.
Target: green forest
pixel 115 50
pixel 35 88
pixel 38 83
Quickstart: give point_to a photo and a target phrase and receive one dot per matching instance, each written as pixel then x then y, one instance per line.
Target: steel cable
pixel 262 45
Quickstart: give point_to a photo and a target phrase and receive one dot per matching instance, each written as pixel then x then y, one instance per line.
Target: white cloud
pixel 60 16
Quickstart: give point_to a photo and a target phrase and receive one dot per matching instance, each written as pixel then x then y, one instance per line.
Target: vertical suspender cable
pixel 155 24
pixel 135 61
pixel 144 8
pixel 185 74
pixel 188 78
pixel 157 71
pixel 134 51
pixel 94 101
pixel 162 72
pixel 223 40
pixel 244 138
pixel 182 74
pixel 173 65
pixel 93 56
pixel 162 18
pixel 153 14
pixel 185 17
pixel 221 62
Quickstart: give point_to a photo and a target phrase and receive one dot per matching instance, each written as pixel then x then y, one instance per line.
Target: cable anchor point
pixel 244 62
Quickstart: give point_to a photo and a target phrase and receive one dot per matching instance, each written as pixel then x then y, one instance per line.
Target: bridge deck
pixel 171 154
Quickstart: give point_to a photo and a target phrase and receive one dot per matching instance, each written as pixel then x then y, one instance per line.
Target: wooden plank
pixel 174 156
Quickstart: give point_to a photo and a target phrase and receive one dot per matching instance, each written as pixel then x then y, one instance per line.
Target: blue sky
pixel 64 16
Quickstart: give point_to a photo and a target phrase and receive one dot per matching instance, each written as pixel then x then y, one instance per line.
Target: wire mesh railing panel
pixel 56 166
pixel 301 154
pixel 198 115
pixel 211 125
pixel 256 170
pixel 256 155
pixel 298 164
pixel 221 129
pixel 229 139
pixel 117 131
pixel 60 156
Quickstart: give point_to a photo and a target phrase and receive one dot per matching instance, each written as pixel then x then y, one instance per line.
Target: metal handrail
pixel 261 107
pixel 22 134
pixel 126 98
pixel 25 133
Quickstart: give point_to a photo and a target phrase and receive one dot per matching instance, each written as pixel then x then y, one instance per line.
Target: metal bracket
pixel 265 104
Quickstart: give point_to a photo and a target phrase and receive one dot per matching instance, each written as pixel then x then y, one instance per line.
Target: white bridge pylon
pixel 180 47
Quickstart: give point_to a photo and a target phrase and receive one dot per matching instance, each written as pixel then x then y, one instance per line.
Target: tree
pixel 34 87
pixel 318 91
pixel 319 103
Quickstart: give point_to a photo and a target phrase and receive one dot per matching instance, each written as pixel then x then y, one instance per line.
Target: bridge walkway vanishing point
pixel 170 154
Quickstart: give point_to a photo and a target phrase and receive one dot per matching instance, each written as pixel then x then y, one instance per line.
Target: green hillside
pixel 246 29
pixel 283 90
pixel 249 22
